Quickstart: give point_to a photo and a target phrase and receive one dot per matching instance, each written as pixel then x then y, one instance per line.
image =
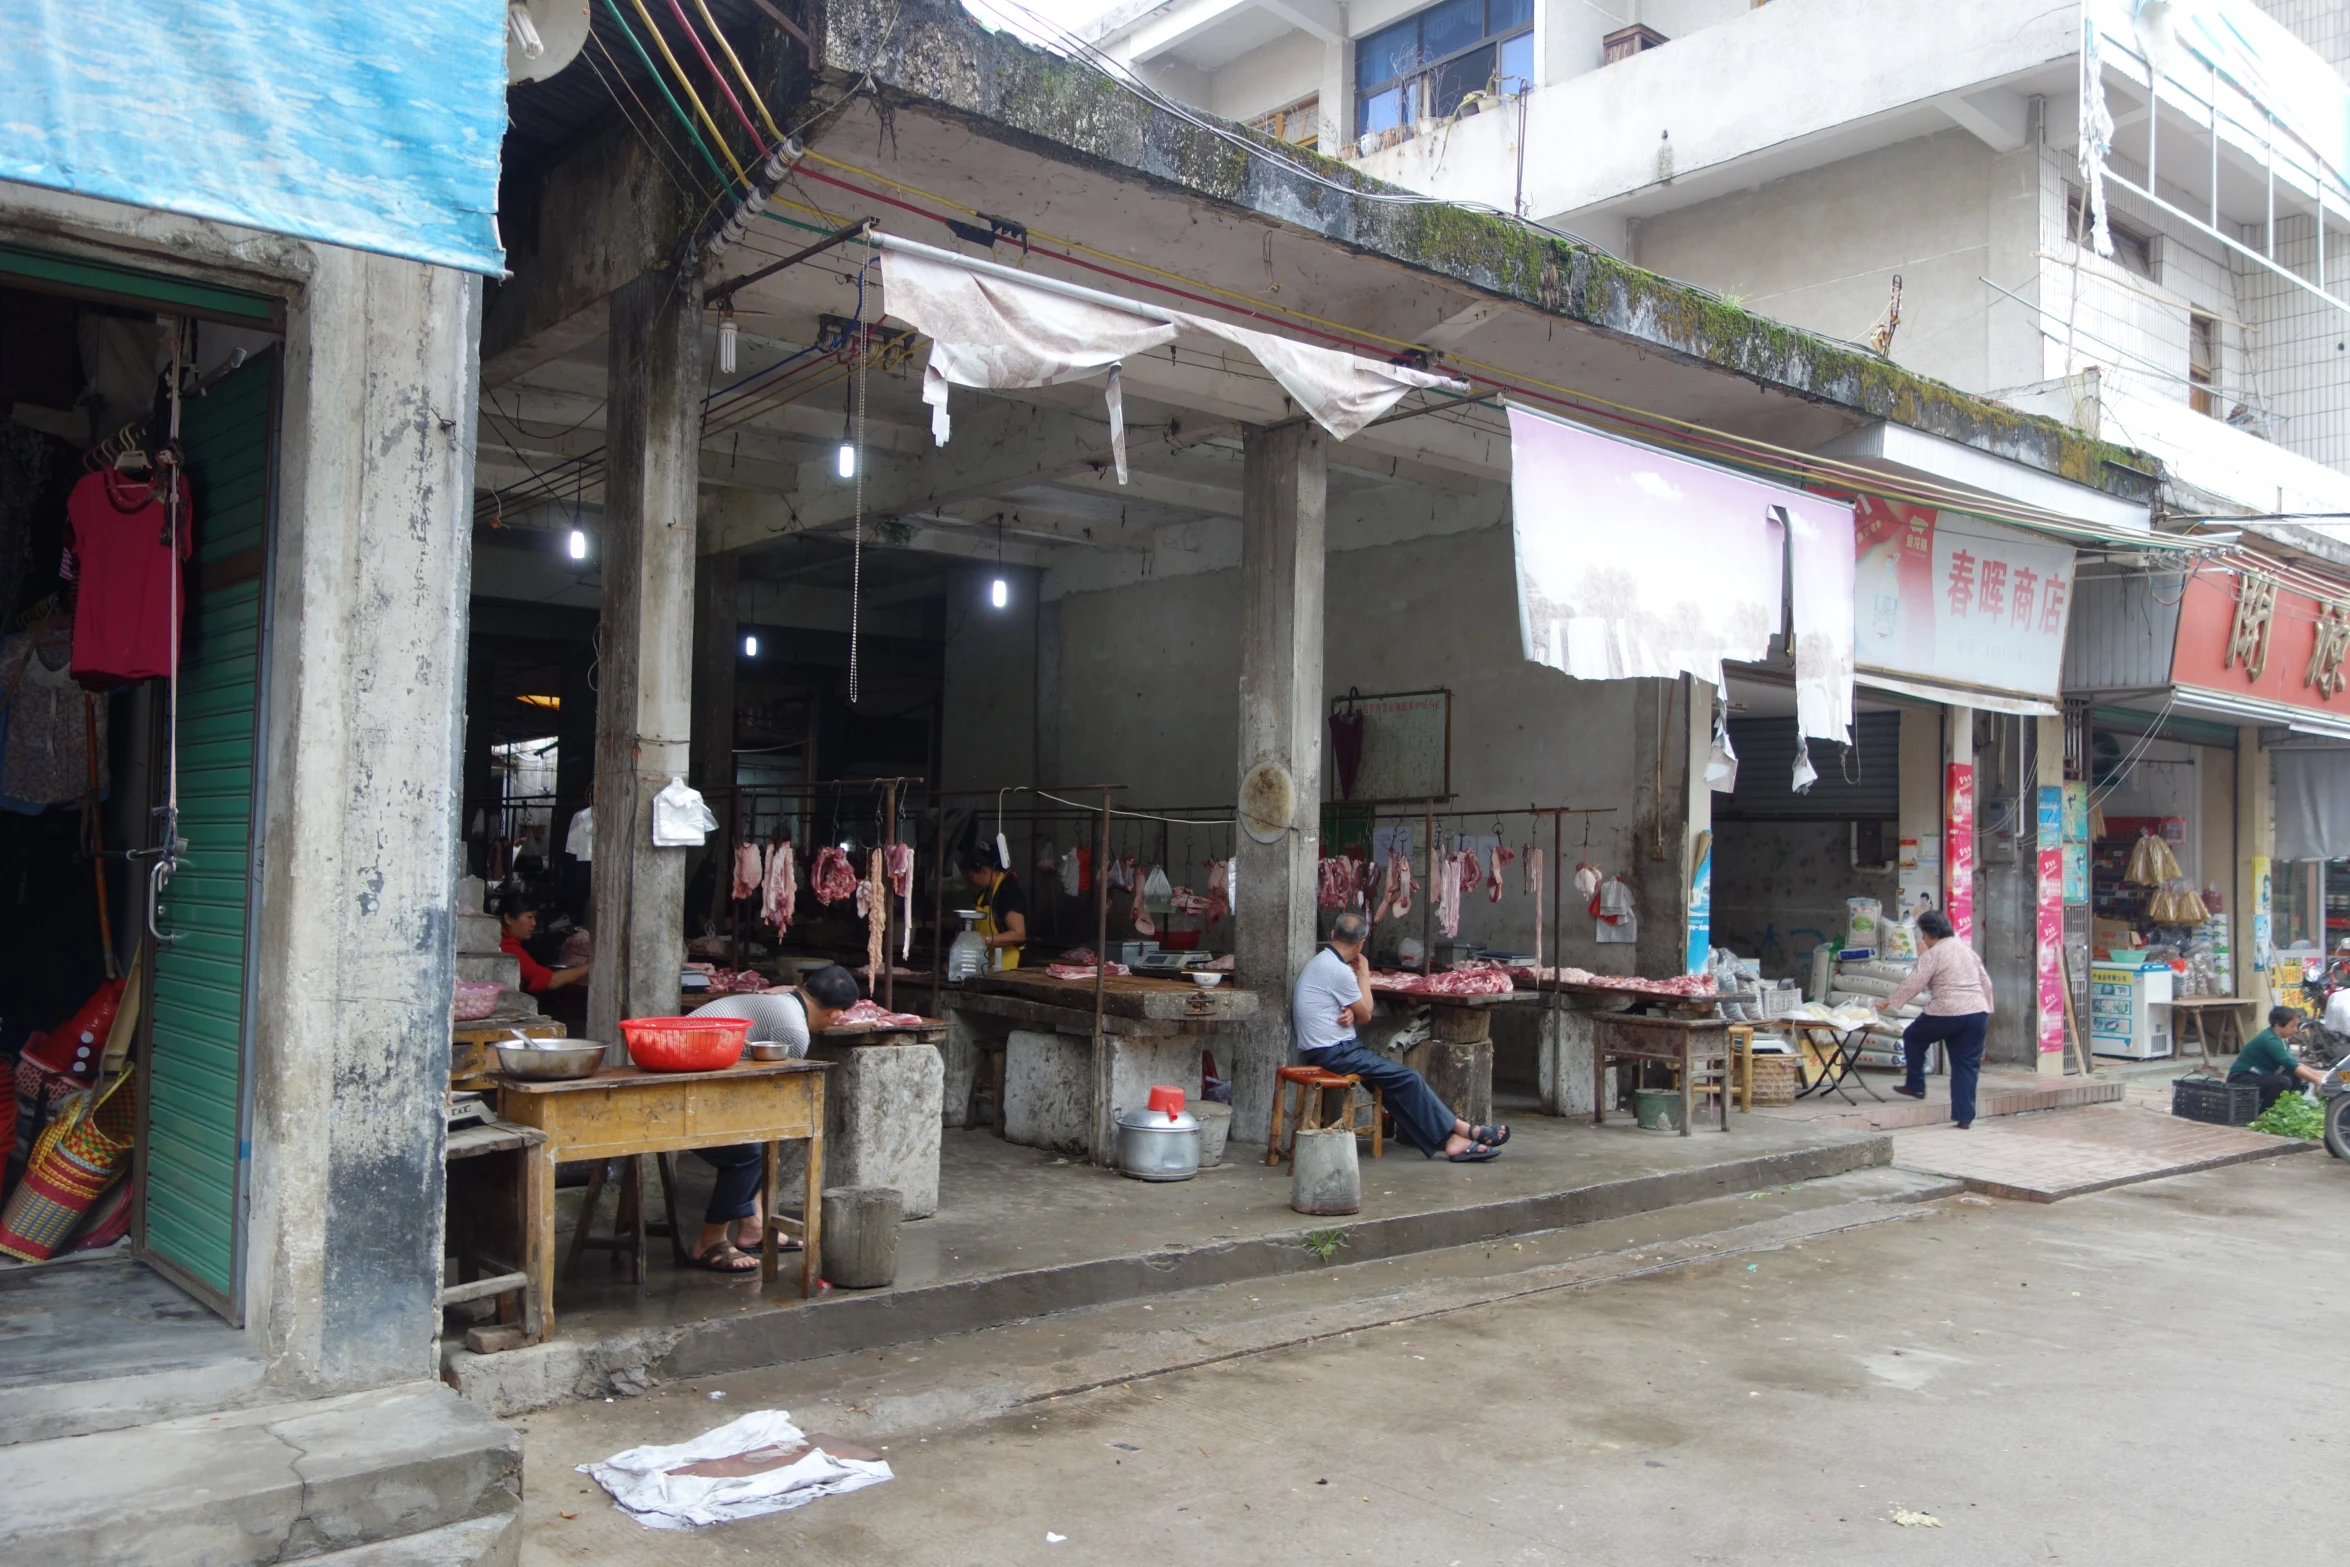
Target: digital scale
pixel 1170 962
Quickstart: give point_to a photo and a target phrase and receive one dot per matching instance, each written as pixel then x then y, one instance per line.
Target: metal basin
pixel 776 1049
pixel 553 1060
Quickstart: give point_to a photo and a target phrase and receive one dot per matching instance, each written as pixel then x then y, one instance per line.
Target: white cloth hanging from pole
pixel 996 329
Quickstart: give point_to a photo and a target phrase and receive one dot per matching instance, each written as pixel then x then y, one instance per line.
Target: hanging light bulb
pixel 848 459
pixel 846 462
pixel 750 647
pixel 999 593
pixel 726 336
pixel 578 544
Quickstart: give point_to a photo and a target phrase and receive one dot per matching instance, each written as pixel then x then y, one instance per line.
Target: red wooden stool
pixel 1311 1083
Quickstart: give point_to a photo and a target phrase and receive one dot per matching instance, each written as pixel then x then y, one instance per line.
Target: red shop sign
pixel 2244 635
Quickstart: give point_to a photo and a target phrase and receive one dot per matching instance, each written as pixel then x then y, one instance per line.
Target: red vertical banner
pixel 2049 950
pixel 1958 851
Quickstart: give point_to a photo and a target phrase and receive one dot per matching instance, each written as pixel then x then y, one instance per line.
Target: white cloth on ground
pixel 642 1482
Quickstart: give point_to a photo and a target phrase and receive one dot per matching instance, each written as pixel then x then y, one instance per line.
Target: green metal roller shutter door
pixel 190 1209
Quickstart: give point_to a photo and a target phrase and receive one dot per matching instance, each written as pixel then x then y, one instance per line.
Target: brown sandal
pixel 712 1259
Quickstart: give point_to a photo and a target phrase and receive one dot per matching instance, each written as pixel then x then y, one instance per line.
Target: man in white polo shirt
pixel 1333 997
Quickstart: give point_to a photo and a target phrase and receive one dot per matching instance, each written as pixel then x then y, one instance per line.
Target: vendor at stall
pixel 2267 1059
pixel 1332 999
pixel 1003 908
pixel 519 915
pixel 793 1016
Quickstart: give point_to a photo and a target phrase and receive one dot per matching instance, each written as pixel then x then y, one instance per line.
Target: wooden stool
pixel 629 1226
pixel 1736 1074
pixel 1310 1084
pixel 496 1182
pixel 987 1083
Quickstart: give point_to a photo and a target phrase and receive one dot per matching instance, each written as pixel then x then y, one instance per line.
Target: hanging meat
pixel 1470 871
pixel 873 903
pixel 1534 890
pixel 1501 857
pixel 749 871
pixel 901 882
pixel 1219 889
pixel 1330 883
pixel 779 888
pixel 832 878
pixel 1399 875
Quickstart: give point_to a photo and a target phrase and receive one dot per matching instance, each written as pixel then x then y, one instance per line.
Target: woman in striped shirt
pixel 1958 1013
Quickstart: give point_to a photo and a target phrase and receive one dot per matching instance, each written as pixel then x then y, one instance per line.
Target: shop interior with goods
pixel 136 416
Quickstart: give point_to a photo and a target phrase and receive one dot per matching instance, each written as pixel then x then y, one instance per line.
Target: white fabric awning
pixel 1958 696
pixel 997 329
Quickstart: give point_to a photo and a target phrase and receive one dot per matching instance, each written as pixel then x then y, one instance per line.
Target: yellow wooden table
pixel 623 1111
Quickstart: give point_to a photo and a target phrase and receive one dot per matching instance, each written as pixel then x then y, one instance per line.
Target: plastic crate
pixel 2215 1100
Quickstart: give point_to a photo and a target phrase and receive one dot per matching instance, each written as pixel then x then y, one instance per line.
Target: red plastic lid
pixel 1167 1099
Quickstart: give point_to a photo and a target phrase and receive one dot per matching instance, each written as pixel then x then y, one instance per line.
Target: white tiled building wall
pixel 2324 25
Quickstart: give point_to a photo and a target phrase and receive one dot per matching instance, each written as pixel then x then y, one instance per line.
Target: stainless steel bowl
pixel 776 1050
pixel 552 1060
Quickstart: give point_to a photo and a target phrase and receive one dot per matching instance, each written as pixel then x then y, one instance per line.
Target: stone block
pixel 881 1120
pixel 1048 1091
pixel 501 968
pixel 478 934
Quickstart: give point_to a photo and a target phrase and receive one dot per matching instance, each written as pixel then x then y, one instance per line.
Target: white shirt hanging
pixel 680 819
pixel 579 841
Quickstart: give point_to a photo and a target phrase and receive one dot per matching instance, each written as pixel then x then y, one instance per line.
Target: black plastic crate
pixel 2215 1100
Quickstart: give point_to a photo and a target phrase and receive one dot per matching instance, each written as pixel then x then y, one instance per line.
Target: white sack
pixel 640 1481
pixel 680 819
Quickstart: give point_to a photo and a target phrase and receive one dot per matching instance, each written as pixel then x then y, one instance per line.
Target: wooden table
pixel 622 1112
pixel 2191 1009
pixel 470 1061
pixel 1686 1042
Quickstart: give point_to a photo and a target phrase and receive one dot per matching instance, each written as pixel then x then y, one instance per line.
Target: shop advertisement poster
pixel 1954 598
pixel 2263 924
pixel 2076 873
pixel 1958 858
pixel 1919 885
pixel 1701 908
pixel 2048 953
pixel 2076 813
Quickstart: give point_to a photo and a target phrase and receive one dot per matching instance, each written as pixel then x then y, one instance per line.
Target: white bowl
pixel 1206 979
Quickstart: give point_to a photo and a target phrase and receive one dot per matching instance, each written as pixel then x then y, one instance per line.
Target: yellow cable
pixel 708 124
pixel 740 74
pixel 1794 463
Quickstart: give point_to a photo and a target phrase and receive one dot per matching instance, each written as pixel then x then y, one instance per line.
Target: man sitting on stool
pixel 1333 996
pixel 2268 1061
pixel 794 1016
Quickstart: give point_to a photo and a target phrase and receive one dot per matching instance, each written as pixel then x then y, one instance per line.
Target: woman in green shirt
pixel 2267 1060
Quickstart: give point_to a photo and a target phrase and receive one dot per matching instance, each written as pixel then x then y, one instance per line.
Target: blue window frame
pixel 1427 63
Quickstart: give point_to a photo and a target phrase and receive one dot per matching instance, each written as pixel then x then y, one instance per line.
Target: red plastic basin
pixel 685 1044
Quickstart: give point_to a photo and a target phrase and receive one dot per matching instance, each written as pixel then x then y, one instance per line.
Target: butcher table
pixel 624 1111
pixel 1687 1043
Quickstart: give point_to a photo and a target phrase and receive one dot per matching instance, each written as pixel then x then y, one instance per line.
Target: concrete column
pixel 717 643
pixel 2006 926
pixel 1697 809
pixel 644 686
pixel 357 843
pixel 1662 840
pixel 1284 487
pixel 2255 843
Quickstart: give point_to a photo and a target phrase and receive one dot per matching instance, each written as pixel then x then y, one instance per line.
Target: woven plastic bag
pixel 75 1159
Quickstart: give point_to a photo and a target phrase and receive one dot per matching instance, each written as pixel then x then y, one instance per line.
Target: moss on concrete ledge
pixel 931 51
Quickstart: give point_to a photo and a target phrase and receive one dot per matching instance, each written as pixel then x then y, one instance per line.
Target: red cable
pixel 710 65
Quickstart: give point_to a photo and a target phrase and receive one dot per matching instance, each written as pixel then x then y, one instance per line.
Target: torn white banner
pixel 758 1464
pixel 2096 136
pixel 995 329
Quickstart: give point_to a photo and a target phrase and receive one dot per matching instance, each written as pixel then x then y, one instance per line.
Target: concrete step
pixel 1995 1098
pixel 493 1541
pixel 100 1343
pixel 479 933
pixel 502 968
pixel 577 1367
pixel 278 1483
pixel 875 1398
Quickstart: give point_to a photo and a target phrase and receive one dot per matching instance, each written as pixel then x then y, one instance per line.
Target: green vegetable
pixel 2293 1115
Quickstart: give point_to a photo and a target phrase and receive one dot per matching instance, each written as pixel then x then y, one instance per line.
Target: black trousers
pixel 735 1194
pixel 1962 1043
pixel 2273 1085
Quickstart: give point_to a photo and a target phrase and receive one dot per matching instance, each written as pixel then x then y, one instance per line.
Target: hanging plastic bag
pixel 680 819
pixel 1805 774
pixel 1587 879
pixel 1157 890
pixel 1721 768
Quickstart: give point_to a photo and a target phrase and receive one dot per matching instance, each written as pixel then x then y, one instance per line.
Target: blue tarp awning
pixel 375 127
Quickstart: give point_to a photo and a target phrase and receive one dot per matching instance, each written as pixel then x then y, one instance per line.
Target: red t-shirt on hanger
pixel 132 592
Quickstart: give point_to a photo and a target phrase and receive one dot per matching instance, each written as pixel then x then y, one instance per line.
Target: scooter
pixel 2335 1092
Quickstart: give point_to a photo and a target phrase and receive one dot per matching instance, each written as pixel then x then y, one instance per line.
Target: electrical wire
pixel 665 155
pixel 654 72
pixel 718 34
pixel 687 87
pixel 717 77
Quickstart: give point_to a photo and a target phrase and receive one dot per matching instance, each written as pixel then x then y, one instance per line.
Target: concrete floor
pixel 2051 1384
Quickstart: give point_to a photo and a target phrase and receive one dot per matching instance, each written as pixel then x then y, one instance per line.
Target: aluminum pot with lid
pixel 1154 1145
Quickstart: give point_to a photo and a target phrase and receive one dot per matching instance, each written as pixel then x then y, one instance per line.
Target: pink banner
pixel 2049 953
pixel 1958 851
